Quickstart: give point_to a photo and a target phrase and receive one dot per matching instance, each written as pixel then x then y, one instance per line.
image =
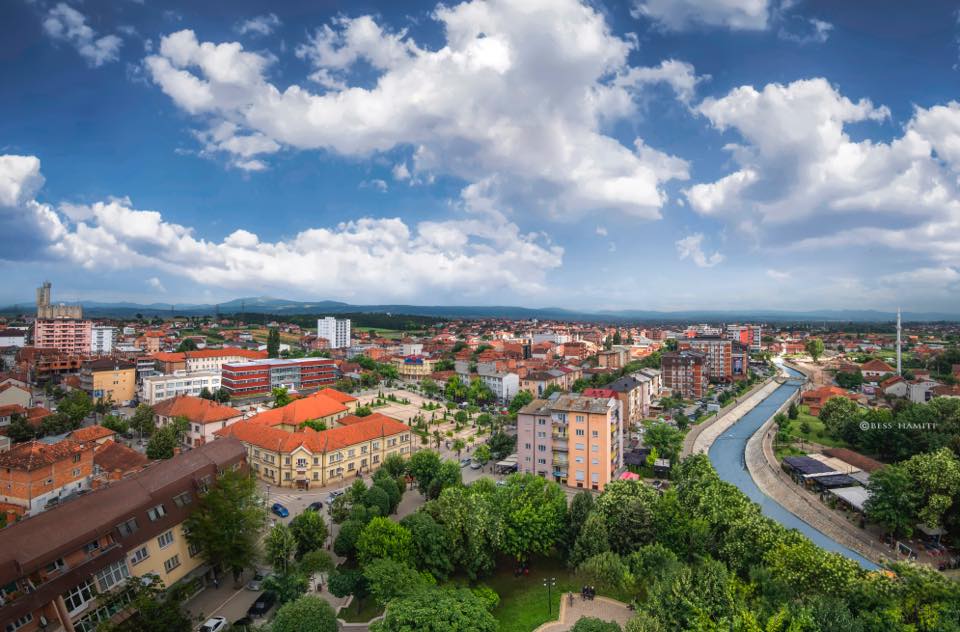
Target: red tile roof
pixel 300 410
pixel 111 456
pixel 877 365
pixel 181 356
pixel 90 433
pixel 33 455
pixel 349 420
pixel 196 409
pixel 274 439
pixel 340 396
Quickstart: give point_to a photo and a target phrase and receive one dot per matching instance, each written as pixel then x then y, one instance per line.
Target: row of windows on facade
pixel 594 447
pixel 267 457
pixel 269 473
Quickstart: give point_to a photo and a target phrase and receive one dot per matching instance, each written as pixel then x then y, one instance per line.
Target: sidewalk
pixel 599 607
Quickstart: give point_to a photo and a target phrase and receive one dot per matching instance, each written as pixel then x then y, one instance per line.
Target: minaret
pixel 898 341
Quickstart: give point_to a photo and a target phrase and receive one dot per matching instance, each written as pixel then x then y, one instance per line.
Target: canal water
pixel 727 456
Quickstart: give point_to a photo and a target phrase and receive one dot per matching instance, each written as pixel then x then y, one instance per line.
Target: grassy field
pixel 817 433
pixel 388 333
pixel 368 609
pixel 523 600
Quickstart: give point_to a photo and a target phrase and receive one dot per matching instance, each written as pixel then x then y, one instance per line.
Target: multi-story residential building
pixel 536 382
pixel 102 338
pixel 156 388
pixel 414 367
pixel 260 377
pixel 35 474
pixel 109 379
pixel 650 387
pixel 504 384
pixel 749 335
pixel 204 359
pixel 204 417
pixel 612 358
pixel 718 354
pixel 68 336
pixel 684 373
pixel 630 392
pixel 303 457
pixel 54 566
pixel 336 331
pixel 577 441
pixel 13 338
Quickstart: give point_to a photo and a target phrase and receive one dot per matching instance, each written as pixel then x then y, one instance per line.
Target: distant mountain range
pixel 281 307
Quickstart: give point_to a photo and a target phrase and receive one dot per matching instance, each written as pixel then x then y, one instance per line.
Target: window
pixel 76 471
pixel 526 446
pixel 203 485
pixel 172 563
pixel 193 549
pixel 90 547
pixel 579 446
pixel 350 467
pixel 19 623
pixel 580 432
pixel 316 476
pixel 156 513
pixel 286 475
pixel 76 458
pixel 594 448
pixel 301 463
pixel 79 596
pixel 541 448
pixel 579 459
pixel 112 575
pixel 139 555
pixel 165 539
pixel 55 566
pixel 376 458
pixel 542 461
pixel 183 499
pixel 286 460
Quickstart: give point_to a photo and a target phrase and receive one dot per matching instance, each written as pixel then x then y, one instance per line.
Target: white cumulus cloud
pixel 64 23
pixel 259 25
pixel 678 15
pixel 691 247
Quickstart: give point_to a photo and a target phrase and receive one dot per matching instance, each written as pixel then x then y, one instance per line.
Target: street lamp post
pixel 549 584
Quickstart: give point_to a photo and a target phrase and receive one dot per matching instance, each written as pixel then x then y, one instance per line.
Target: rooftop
pixel 277 440
pixel 196 409
pixel 33 455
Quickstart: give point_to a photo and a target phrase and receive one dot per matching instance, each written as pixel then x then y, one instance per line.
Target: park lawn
pixel 523 600
pixel 369 608
pixel 818 432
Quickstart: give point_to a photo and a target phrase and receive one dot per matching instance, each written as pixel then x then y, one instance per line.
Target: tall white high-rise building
pixel 102 338
pixel 336 331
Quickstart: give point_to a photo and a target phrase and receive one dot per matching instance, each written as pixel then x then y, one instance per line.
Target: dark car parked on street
pixel 262 605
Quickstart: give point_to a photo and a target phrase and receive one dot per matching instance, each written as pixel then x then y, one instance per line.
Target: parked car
pixel 262 605
pixel 214 624
pixel 257 582
pixel 464 462
pixel 280 510
pixel 334 494
pixel 475 464
pixel 315 506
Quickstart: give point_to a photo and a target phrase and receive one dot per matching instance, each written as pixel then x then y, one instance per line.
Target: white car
pixel 214 624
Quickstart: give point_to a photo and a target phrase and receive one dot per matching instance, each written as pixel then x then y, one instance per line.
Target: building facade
pixel 156 388
pixel 68 336
pixel 35 475
pixel 684 373
pixel 204 359
pixel 109 379
pixel 303 457
pixel 204 417
pixel 260 377
pixel 576 441
pixel 718 353
pixel 336 331
pixel 102 338
pixel 414 367
pixel 52 576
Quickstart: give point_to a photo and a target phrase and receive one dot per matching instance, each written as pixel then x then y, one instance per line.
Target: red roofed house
pixel 314 407
pixel 873 369
pixel 895 386
pixel 113 461
pixel 204 416
pixel 96 434
pixel 817 397
pixel 287 457
pixel 34 474
pixel 346 399
pixel 947 390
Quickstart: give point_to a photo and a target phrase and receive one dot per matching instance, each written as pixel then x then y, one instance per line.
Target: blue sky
pixel 652 154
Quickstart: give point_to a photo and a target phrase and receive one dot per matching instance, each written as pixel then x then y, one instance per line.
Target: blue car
pixel 280 510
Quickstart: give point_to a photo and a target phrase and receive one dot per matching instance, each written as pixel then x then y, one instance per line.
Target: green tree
pixel 424 466
pixel 383 538
pixel 666 439
pixel 315 424
pixel 20 429
pixel 115 423
pixel 840 416
pixel 206 393
pixel 378 497
pixel 594 539
pixel 227 521
pixel 431 544
pixel 936 475
pixel 389 579
pixel 143 420
pixel 470 517
pixel 455 389
pixel 162 444
pixel 501 445
pixel 606 570
pixel 281 397
pixel 349 581
pixel 849 381
pixel 814 347
pixel 440 610
pixel 893 501
pixel 482 453
pixel 310 532
pixel 287 584
pixel 519 400
pixel 345 544
pixel 152 609
pixel 448 475
pixel 593 624
pixel 77 406
pixel 273 342
pixel 306 614
pixel 279 547
pixel 793 411
pixel 533 511
pixel 429 386
pixel 580 508
pixel 187 344
pixel 458 446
